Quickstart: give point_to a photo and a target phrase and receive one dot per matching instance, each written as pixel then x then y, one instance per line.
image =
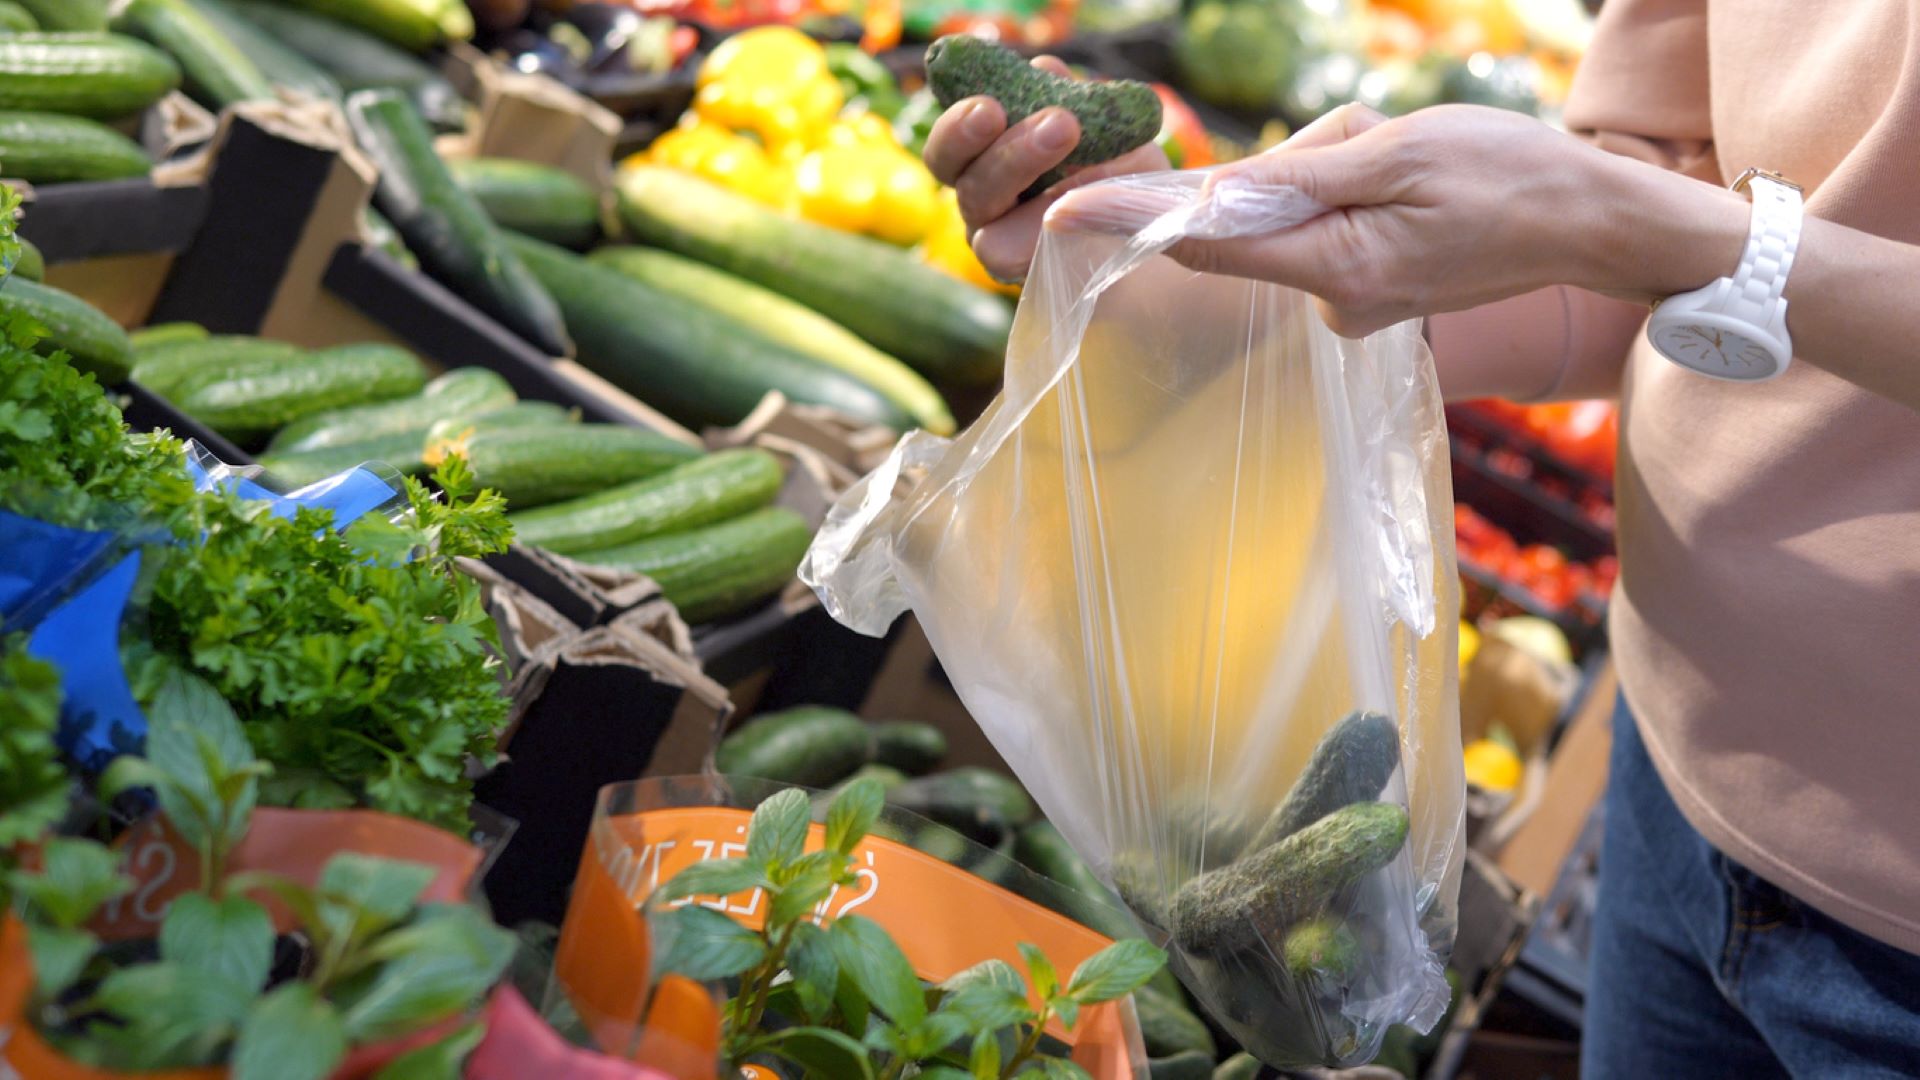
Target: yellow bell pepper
pixel 772 81
pixel 909 198
pixel 946 247
pixel 732 161
pixel 1492 766
pixel 839 186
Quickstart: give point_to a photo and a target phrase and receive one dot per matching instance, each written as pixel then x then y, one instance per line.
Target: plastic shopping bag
pixel 1193 574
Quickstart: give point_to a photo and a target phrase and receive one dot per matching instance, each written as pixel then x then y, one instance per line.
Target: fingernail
pixel 1054 132
pixel 978 122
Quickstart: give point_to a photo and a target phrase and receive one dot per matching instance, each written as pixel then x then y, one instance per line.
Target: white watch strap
pixel 1772 238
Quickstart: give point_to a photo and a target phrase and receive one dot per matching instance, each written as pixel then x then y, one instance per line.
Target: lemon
pixel 1491 766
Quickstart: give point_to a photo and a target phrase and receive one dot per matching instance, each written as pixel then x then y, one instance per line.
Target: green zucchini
pixel 94 342
pixel 949 331
pixel 908 745
pixel 357 60
pixel 695 365
pixel 414 25
pixel 254 399
pixel 1352 763
pixel 461 392
pixel 48 148
pixel 218 72
pixel 149 337
pixel 15 19
pixel 709 489
pixel 98 75
pixel 444 227
pixel 781 320
pixel 521 414
pixel 283 65
pixel 81 15
pixel 979 802
pixel 718 570
pixel 811 745
pixel 166 366
pixel 30 264
pixel 534 466
pixel 298 468
pixel 1168 1027
pixel 539 200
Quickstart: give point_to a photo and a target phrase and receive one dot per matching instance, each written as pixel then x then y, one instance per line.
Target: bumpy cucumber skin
pixel 460 392
pixel 1229 908
pixel 534 466
pixel 908 745
pixel 1168 1028
pixel 810 745
pixel 714 488
pixel 1322 948
pixel 1352 763
pixel 718 570
pixel 48 148
pixel 170 367
pixel 98 75
pixel 979 802
pixel 1115 117
pixel 94 342
pixel 251 402
pixel 218 72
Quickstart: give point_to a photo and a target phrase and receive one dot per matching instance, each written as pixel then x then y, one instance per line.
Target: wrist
pixel 1660 233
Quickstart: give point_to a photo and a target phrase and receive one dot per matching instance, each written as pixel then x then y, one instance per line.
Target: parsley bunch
pixel 33 785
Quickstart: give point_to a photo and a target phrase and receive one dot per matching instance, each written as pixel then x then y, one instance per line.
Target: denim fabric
pixel 1702 969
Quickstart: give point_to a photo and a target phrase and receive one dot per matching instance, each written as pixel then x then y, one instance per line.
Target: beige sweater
pixel 1767 623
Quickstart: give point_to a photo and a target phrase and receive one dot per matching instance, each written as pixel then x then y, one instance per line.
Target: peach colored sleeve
pixel 1641 92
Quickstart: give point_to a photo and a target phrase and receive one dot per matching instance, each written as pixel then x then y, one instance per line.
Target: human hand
pixel 1453 207
pixel 988 166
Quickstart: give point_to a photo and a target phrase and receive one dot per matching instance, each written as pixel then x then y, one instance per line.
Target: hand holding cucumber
pixel 993 165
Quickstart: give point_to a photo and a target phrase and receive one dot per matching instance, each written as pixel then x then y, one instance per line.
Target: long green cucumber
pixel 811 745
pixel 979 802
pixel 94 342
pixel 299 468
pixel 455 430
pixel 356 59
pixel 782 320
pixel 31 264
pixel 151 337
pixel 15 19
pixel 539 200
pixel 218 72
pixel 713 488
pixel 98 75
pixel 467 391
pixel 49 148
pixel 68 14
pixel 908 745
pixel 718 570
pixel 950 331
pixel 693 364
pixel 253 401
pixel 533 466
pixel 414 25
pixel 444 227
pixel 166 367
pixel 283 65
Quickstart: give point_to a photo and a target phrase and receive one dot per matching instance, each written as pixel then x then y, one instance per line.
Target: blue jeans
pixel 1702 969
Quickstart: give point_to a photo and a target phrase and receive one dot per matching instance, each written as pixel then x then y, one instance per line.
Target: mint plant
pixel 841 1000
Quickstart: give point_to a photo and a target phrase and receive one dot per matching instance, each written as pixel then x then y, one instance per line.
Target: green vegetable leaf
pixel 385 889
pixel 75 878
pixel 443 962
pixel 438 1060
pixel 815 970
pixel 778 832
pixel 714 877
pixel 797 898
pixel 703 944
pixel 1065 1008
pixel 60 954
pixel 290 1034
pixel 33 784
pixel 853 813
pixel 232 938
pixel 1061 1069
pixel 989 994
pixel 984 1062
pixel 1040 970
pixel 935 1033
pixel 174 1016
pixel 1115 971
pixel 821 1051
pixel 879 968
pixel 942 1072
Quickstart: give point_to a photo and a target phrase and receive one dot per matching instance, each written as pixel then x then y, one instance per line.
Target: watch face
pixel 1715 350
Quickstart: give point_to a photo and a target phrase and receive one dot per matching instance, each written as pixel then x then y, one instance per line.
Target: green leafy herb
pixel 33 784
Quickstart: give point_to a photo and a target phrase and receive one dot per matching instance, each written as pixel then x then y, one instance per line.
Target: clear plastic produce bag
pixel 1193 574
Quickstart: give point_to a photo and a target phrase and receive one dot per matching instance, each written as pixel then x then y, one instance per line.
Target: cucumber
pixel 811 745
pixel 696 366
pixel 979 802
pixel 387 238
pixel 15 19
pixel 94 342
pixel 357 60
pixel 1322 948
pixel 908 745
pixel 779 319
pixel 718 570
pixel 467 391
pixel 533 466
pixel 68 14
pixel 1088 900
pixel 1192 1065
pixel 48 148
pixel 886 776
pixel 218 72
pixel 521 414
pixel 413 25
pixel 942 843
pixel 251 401
pixel 166 367
pixel 1230 908
pixel 150 337
pixel 30 264
pixel 282 65
pixel 442 224
pixel 539 200
pixel 949 331
pixel 1241 1066
pixel 1351 763
pixel 98 75
pixel 712 488
pixel 298 468
pixel 1168 1028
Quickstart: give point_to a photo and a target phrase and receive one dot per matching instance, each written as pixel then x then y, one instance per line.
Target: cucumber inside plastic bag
pixel 1193 574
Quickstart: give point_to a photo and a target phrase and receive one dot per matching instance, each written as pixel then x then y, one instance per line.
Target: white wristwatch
pixel 1736 328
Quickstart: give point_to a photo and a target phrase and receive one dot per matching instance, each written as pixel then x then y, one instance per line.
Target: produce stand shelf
pixel 71 222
